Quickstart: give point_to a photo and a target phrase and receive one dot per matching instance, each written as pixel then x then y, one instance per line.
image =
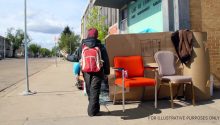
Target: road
pixel 13 70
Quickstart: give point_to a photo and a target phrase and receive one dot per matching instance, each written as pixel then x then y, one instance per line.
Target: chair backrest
pixel 133 65
pixel 165 61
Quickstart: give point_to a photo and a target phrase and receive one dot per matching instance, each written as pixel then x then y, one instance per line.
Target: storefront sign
pixel 145 16
pixel 143 6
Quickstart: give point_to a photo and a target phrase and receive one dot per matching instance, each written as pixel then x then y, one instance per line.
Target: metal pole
pixel 25 42
pixel 55 53
pixel 27 91
pixel 57 39
pixel 59 54
pixel 70 48
pixel 4 48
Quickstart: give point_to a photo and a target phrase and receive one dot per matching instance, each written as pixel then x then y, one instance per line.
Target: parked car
pixel 1 57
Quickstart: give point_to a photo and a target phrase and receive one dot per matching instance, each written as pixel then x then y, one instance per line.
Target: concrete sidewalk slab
pixel 59 102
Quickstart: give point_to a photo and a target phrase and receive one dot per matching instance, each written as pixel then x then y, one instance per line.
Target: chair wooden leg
pixel 171 95
pixel 114 94
pixel 193 94
pixel 178 89
pixel 184 91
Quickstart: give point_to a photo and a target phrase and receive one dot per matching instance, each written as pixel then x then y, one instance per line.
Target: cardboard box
pixel 146 45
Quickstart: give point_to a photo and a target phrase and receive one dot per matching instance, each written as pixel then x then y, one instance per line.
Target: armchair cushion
pixel 133 65
pixel 135 82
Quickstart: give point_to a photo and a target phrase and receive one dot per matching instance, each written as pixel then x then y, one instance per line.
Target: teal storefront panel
pixel 145 16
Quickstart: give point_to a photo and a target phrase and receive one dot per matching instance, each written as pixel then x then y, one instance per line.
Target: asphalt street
pixel 12 71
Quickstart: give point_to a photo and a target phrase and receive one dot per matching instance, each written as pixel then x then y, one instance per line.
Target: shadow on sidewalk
pixel 57 92
pixel 143 110
pixel 164 103
pixel 216 96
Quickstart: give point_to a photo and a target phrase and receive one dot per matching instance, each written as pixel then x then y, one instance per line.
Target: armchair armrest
pixel 118 69
pixel 151 66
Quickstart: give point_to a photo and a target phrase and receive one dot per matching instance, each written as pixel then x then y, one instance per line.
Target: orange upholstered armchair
pixel 129 72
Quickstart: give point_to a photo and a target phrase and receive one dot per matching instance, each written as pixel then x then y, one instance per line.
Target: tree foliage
pixel 68 41
pixel 16 38
pixel 44 52
pixel 37 51
pixel 67 30
pixel 94 20
pixel 54 51
pixel 34 48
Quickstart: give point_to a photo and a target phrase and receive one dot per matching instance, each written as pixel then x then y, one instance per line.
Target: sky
pixel 46 19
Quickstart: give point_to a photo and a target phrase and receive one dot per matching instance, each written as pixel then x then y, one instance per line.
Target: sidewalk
pixel 59 102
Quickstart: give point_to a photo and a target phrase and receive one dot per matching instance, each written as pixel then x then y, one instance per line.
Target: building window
pixel 124 14
pixel 123 21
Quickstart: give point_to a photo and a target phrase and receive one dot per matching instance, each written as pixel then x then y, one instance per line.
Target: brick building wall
pixel 205 16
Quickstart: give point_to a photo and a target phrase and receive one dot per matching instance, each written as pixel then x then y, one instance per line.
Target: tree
pixel 68 40
pixel 16 39
pixel 94 20
pixel 67 31
pixel 55 50
pixel 44 52
pixel 34 48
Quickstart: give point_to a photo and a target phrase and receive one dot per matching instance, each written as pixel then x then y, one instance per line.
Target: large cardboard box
pixel 146 45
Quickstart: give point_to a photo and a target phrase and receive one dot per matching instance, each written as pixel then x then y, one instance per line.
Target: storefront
pixel 143 16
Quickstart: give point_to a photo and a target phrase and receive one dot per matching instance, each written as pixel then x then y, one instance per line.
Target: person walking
pixel 92 76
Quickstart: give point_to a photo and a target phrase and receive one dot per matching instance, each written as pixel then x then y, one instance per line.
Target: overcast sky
pixel 45 18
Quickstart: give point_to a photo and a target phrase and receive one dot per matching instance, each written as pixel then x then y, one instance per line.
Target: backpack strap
pixel 100 54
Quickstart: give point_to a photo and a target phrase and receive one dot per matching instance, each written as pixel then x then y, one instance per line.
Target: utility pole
pixel 59 54
pixel 56 53
pixel 4 48
pixel 27 91
pixel 55 40
pixel 70 48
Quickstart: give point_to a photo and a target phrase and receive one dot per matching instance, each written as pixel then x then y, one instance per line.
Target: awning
pixel 112 3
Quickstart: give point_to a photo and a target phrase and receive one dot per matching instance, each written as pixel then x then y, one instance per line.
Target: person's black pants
pixel 93 85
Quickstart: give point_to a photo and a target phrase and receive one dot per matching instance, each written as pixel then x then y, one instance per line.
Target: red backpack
pixel 91 59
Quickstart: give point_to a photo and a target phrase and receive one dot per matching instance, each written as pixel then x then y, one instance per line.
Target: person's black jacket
pixel 91 42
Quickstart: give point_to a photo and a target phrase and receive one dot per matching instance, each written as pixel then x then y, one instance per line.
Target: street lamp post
pixel 70 47
pixel 56 53
pixel 4 48
pixel 55 40
pixel 27 91
pixel 59 54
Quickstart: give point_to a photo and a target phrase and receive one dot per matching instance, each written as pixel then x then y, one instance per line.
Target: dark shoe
pixel 101 113
pixel 92 115
pixel 98 114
